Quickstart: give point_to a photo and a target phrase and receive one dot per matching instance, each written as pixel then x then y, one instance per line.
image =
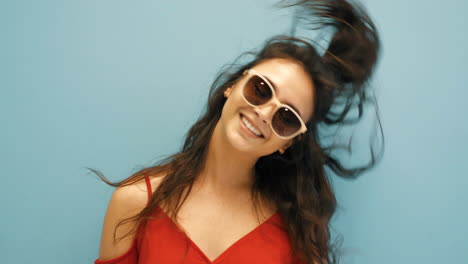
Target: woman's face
pixel 293 87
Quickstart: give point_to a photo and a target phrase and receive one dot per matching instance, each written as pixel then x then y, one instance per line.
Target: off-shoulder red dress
pixel 161 241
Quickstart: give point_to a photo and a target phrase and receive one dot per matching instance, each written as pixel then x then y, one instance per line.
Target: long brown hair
pixel 296 181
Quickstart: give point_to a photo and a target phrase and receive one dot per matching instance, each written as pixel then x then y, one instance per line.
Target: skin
pixel 219 210
pixel 216 213
pixel 229 168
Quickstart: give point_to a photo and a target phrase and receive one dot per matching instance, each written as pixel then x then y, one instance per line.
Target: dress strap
pixel 148 186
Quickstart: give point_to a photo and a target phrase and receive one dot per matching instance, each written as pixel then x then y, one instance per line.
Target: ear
pixel 290 142
pixel 299 138
pixel 227 92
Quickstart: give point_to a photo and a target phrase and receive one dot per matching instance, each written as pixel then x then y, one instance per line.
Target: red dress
pixel 161 241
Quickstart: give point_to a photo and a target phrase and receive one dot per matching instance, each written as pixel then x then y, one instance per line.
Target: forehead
pixel 293 85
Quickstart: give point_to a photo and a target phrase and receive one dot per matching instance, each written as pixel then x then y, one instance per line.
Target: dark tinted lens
pixel 257 91
pixel 285 122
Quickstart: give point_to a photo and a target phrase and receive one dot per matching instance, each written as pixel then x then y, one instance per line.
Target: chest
pixel 214 226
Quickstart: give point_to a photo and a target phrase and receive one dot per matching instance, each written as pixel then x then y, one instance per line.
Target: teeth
pixel 251 127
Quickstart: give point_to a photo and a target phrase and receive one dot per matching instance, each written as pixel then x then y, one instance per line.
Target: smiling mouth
pixel 250 127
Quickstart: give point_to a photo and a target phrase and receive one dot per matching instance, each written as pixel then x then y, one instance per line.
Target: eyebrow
pixel 274 88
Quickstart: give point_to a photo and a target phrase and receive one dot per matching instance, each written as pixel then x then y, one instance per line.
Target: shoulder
pixel 126 201
pixel 134 197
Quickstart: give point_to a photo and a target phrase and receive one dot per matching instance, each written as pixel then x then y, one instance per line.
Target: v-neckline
pixel 244 237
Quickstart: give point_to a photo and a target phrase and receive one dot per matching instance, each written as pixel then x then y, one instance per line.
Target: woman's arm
pixel 125 202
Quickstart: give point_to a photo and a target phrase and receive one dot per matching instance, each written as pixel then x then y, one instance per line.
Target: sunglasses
pixel 285 122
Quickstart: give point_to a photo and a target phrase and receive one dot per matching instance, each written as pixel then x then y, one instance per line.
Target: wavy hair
pixel 296 181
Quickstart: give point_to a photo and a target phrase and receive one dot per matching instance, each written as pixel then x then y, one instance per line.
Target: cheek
pixel 231 110
pixel 235 102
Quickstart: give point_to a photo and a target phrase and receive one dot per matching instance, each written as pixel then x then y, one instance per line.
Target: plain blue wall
pixel 115 85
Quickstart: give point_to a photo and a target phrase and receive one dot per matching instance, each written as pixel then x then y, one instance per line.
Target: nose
pixel 265 112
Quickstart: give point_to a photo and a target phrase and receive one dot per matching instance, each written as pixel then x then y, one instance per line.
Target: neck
pixel 226 171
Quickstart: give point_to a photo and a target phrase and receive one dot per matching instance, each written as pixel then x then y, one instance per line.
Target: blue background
pixel 84 83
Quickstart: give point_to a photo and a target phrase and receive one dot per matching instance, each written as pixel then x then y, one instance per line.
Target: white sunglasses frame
pixel 250 73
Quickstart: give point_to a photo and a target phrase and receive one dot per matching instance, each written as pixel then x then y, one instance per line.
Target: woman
pixel 249 185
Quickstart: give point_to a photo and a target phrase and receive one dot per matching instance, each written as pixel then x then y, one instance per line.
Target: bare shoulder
pixel 139 190
pixel 125 202
pixel 155 180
